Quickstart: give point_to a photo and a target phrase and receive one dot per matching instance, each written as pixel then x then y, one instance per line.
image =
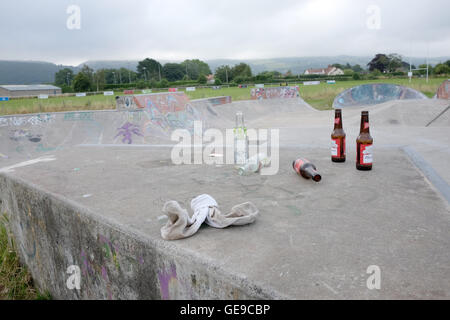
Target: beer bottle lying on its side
pixel 306 169
pixel 364 156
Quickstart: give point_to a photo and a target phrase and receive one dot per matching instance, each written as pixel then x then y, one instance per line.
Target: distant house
pixel 28 90
pixel 329 71
pixel 210 79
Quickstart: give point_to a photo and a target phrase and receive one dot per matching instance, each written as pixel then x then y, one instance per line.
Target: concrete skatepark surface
pixel 96 203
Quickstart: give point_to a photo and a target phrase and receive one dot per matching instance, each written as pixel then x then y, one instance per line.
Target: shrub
pixel 202 79
pixel 163 83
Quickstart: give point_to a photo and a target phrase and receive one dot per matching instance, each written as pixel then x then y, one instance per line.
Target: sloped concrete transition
pixel 86 189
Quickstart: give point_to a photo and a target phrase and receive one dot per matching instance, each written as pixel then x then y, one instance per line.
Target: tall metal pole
pixel 410 70
pixel 428 51
pixel 159 69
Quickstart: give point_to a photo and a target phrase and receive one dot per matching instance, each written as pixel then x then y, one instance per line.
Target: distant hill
pixel 28 72
pixel 300 64
pixel 295 65
pixel 33 72
pixel 113 64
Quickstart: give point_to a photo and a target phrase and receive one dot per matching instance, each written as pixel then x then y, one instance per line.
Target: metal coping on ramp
pixel 369 94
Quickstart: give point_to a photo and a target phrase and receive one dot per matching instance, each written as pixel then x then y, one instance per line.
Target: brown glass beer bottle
pixel 364 156
pixel 306 169
pixel 338 139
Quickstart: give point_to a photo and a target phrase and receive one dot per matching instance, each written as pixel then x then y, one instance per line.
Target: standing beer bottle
pixel 364 157
pixel 338 139
pixel 306 169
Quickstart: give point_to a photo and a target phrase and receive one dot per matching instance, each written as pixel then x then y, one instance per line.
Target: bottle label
pixel 298 164
pixel 365 154
pixel 337 120
pixel 336 148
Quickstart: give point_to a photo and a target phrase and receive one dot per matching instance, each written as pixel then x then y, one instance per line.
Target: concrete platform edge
pixel 52 233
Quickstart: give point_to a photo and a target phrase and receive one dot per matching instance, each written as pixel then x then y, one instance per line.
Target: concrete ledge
pixel 311 240
pixel 53 232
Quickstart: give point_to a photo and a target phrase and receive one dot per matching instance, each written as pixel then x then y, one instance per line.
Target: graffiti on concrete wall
pixel 368 94
pixel 126 131
pixel 24 120
pixel 275 93
pixel 24 134
pixel 220 100
pixel 79 116
pixel 168 281
pixel 443 91
pixel 114 258
pixel 164 102
pixel 162 112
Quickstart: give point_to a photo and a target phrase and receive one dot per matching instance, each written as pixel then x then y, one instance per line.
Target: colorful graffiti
pixel 368 94
pixel 275 93
pixel 164 102
pixel 127 131
pixel 216 101
pixel 443 91
pixel 167 280
pixel 113 259
pixel 164 111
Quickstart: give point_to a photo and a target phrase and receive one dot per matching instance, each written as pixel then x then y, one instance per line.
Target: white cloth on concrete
pixel 205 208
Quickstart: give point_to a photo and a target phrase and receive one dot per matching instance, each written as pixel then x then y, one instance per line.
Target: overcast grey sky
pixel 180 29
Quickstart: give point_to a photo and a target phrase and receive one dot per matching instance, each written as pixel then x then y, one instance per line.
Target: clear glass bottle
pixel 240 140
pixel 254 164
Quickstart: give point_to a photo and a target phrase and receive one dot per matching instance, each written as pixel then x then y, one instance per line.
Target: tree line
pixel 152 74
pixel 149 73
pixel 391 63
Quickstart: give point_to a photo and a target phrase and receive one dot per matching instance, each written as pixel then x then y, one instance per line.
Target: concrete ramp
pixel 402 113
pixel 369 94
pixel 139 120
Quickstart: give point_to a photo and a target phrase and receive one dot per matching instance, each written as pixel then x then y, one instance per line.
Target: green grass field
pixel 319 96
pixel 15 280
